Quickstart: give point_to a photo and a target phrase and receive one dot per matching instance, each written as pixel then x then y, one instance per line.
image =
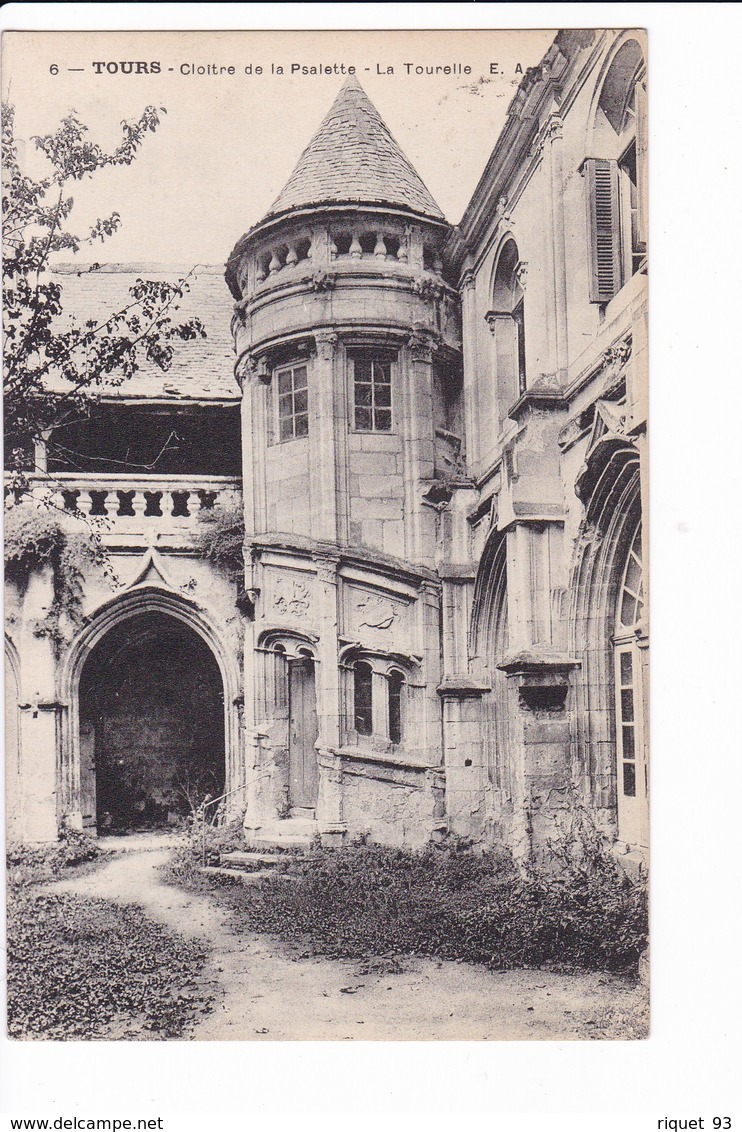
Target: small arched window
pixel 395 686
pixel 362 698
pixel 616 175
pixel 507 323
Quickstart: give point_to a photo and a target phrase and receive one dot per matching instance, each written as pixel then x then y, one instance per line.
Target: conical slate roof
pixel 353 158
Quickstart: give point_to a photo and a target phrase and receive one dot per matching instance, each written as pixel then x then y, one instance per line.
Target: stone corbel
pixel 325 342
pixel 468 281
pixel 493 317
pixel 422 344
pixel 250 369
pixel 542 678
pixel 327 569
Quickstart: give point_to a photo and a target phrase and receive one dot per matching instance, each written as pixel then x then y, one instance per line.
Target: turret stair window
pixel 293 405
pixel 372 392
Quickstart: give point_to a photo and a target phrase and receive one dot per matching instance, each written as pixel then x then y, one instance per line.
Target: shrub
pixel 76 966
pixel 452 903
pixel 221 537
pixel 28 864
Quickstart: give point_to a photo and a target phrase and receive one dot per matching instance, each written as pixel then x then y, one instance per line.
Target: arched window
pixel 381 699
pixel 362 698
pixel 616 175
pixel 628 639
pixel 507 323
pixel 395 686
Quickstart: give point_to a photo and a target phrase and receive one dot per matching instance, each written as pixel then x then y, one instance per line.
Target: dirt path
pixel 262 992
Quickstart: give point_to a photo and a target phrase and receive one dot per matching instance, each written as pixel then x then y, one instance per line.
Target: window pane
pixel 284 381
pixel 628 742
pixel 627 705
pixel 286 428
pixel 362 699
pixel 301 425
pixel 382 371
pixel 383 394
pixel 383 420
pixel 362 369
pixel 629 780
pixel 633 575
pixel 626 669
pixel 300 377
pixel 300 401
pixel 363 419
pixel 363 394
pixel 628 609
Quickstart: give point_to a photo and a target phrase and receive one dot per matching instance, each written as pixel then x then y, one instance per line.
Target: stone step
pixel 290 833
pixel 249 861
pixel 239 875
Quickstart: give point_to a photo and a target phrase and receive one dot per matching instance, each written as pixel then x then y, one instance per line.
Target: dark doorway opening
pixel 151 725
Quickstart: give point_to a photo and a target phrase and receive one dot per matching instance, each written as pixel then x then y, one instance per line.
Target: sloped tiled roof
pixel 201 370
pixel 353 158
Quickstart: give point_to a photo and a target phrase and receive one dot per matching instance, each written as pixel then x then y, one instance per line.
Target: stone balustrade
pixel 346 242
pixel 130 502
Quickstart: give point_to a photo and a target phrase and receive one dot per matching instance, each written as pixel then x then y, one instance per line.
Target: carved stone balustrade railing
pixel 343 241
pixel 134 502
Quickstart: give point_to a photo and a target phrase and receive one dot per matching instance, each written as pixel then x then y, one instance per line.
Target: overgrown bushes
pixel 84 968
pixel 451 903
pixel 29 864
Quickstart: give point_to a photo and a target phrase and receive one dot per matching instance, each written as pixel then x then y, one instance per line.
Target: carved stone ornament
pixel 321 281
pixel 291 598
pixel 421 345
pixel 429 289
pixel 521 274
pixel 327 569
pixel 376 613
pixel 326 341
pixel 617 354
pixel 468 280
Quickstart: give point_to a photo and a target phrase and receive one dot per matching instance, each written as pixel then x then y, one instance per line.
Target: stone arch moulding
pixel 490 579
pixel 610 489
pixel 629 36
pixel 122 607
pixel 293 642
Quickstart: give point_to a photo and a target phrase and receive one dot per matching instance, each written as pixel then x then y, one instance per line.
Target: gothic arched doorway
pixel 151 717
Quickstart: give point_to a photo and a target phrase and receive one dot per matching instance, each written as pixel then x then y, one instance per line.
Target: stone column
pixel 329 803
pixel 418 447
pixel 464 757
pixel 324 470
pixel 539 692
pixel 254 442
pixel 49 790
pixel 504 369
pixel 472 370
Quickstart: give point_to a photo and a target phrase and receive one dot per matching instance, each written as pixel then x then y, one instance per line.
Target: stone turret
pixel 343 280
pixel 347 342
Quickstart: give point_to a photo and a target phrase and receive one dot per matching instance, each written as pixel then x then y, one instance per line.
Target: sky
pixel 229 142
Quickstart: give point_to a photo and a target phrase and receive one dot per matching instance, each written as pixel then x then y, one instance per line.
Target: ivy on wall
pixel 36 540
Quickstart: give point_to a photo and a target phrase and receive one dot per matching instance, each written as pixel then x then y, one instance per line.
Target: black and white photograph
pixel 326 564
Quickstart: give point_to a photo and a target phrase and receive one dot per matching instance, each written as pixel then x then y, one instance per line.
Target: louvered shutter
pixel 641 162
pixel 604 229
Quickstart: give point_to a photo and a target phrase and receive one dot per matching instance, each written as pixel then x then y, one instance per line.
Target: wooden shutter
pixel 641 162
pixel 604 229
